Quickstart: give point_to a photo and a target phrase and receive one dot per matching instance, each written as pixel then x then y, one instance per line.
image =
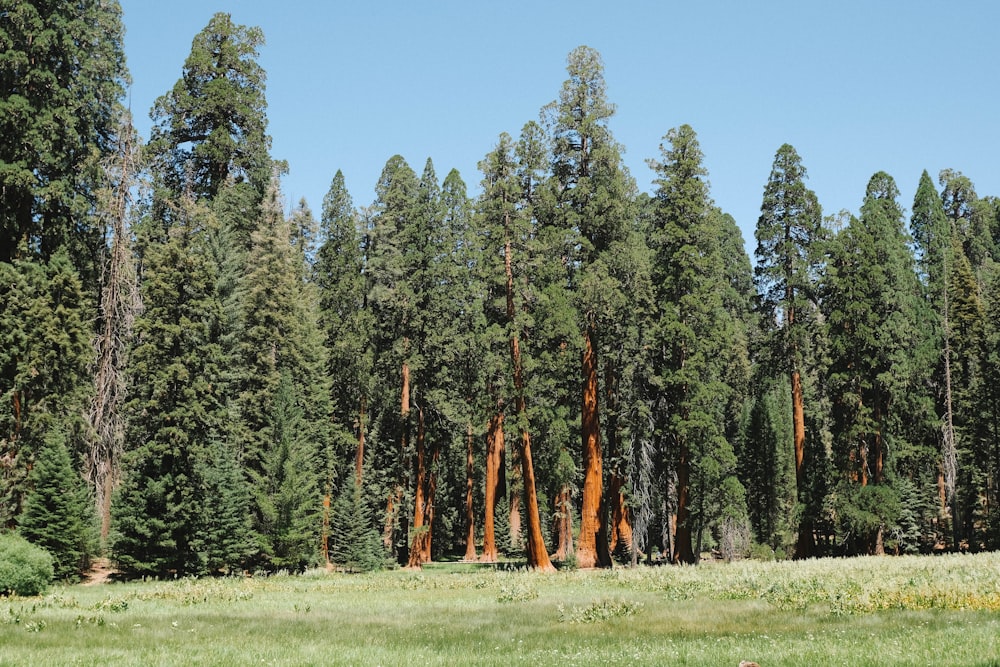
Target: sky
pixel 855 86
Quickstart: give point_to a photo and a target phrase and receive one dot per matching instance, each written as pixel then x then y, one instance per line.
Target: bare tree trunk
pixel 470 484
pixel 419 530
pixel 805 545
pixel 592 547
pixel 359 457
pixel 494 452
pixel 119 305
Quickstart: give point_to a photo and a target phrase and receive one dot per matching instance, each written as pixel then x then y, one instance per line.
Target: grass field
pixel 872 611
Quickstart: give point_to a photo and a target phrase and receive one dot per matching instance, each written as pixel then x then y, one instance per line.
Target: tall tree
pixel 508 231
pixel 594 194
pixel 788 233
pixel 872 297
pixel 62 77
pixel 695 336
pixel 211 127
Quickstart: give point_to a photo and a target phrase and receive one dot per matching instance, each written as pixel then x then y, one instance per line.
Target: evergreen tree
pixel 872 300
pixel 593 194
pixel 223 540
pixel 694 338
pixel 177 407
pixel 211 127
pixel 789 233
pixel 62 77
pixel 356 545
pixel 58 515
pixel 44 355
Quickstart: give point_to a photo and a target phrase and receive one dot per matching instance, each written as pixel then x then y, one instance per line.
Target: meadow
pixel 942 610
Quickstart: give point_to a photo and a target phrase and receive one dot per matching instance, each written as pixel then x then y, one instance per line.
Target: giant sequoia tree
pixel 788 234
pixel 593 195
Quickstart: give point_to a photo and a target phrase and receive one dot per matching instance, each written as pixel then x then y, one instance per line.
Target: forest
pixel 562 370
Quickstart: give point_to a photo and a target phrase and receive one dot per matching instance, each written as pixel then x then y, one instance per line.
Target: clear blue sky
pixel 856 86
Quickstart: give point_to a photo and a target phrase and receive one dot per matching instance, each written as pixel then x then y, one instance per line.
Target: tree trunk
pixel 805 545
pixel 470 484
pixel 564 524
pixel 683 552
pixel 621 516
pixel 494 451
pixel 396 494
pixel 419 529
pixel 592 547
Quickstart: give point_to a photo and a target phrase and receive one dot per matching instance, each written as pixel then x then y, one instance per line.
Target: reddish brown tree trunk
pixel 419 529
pixel 621 517
pixel 683 552
pixel 564 524
pixel 494 452
pixel 805 544
pixel 515 489
pixel 470 483
pixel 592 547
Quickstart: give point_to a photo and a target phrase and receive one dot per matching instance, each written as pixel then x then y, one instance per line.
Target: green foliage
pixel 223 540
pixel 44 353
pixel 211 127
pixel 355 544
pixel 58 513
pixel 62 77
pixel 25 569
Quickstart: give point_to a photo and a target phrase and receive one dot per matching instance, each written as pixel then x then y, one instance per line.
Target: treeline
pixel 561 368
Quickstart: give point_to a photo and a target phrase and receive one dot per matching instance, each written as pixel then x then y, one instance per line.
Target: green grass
pixel 873 611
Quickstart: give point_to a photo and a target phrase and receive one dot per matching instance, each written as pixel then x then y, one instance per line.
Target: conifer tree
pixel 44 357
pixel 695 336
pixel 871 300
pixel 789 232
pixel 58 515
pixel 211 126
pixel 62 79
pixel 177 408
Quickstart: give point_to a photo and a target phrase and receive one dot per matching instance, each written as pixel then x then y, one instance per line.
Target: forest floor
pixel 863 612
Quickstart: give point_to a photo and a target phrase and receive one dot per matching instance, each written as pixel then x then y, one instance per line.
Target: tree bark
pixel 683 552
pixel 592 547
pixel 470 483
pixel 564 524
pixel 396 494
pixel 494 451
pixel 420 528
pixel 805 545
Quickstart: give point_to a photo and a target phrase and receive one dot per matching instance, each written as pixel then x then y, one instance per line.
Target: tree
pixel 694 339
pixel 789 232
pixel 507 229
pixel 176 408
pixel 58 515
pixel 62 76
pixel 44 355
pixel 871 302
pixel 211 126
pixel 593 194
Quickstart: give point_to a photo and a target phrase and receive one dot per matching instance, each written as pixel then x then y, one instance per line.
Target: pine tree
pixel 694 340
pixel 44 355
pixel 223 540
pixel 58 515
pixel 594 195
pixel 872 299
pixel 356 546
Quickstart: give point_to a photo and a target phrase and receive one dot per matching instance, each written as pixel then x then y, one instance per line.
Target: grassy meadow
pixel 869 611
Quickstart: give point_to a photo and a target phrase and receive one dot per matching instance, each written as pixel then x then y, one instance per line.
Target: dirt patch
pixel 100 572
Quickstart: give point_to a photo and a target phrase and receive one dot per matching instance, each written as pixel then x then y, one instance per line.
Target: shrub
pixel 24 568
